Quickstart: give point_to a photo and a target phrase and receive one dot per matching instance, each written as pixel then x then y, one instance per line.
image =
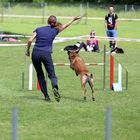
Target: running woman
pixel 42 53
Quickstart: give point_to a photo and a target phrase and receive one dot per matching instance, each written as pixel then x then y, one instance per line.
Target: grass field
pixel 72 118
pixel 69 9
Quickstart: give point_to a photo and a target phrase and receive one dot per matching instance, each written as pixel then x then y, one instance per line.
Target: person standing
pixel 42 53
pixel 111 23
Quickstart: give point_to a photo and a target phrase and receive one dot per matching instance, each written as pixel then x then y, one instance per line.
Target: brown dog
pixel 78 65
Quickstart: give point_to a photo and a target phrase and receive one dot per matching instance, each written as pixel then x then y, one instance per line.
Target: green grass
pixel 72 118
pixel 126 29
pixel 69 9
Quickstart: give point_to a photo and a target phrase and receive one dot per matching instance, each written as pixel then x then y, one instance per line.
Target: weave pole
pixel 14 124
pixel 111 71
pixel 108 124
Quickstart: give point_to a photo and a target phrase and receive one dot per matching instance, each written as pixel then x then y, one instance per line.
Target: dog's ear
pixel 77 52
pixel 69 47
pixel 66 48
pixel 68 52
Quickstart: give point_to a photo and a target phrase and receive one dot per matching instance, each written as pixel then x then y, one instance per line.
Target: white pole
pixel 120 74
pixel 30 76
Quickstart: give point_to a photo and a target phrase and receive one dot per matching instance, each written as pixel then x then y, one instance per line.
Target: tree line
pixel 137 2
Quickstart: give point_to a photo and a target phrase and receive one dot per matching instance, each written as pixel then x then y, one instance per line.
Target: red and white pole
pixel 111 71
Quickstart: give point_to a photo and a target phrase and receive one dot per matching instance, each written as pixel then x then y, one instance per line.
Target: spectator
pixel 92 43
pixel 111 23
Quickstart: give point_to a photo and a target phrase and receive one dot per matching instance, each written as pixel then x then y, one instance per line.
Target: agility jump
pixel 64 39
pixel 113 86
pixel 55 64
pixel 117 86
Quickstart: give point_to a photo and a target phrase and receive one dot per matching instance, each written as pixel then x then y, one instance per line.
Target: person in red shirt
pixel 92 43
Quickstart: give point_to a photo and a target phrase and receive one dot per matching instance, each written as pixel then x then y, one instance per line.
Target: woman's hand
pixel 69 23
pixel 27 53
pixel 76 18
pixel 29 43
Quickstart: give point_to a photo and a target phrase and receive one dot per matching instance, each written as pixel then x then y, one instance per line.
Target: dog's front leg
pixel 71 64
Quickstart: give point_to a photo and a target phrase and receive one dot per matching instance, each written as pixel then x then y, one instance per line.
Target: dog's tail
pixel 90 75
pixel 89 79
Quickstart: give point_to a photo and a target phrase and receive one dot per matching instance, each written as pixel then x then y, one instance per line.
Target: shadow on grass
pixel 72 99
pixel 29 97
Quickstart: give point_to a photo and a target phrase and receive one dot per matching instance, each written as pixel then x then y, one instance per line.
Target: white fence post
pixel 120 74
pixel 30 76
